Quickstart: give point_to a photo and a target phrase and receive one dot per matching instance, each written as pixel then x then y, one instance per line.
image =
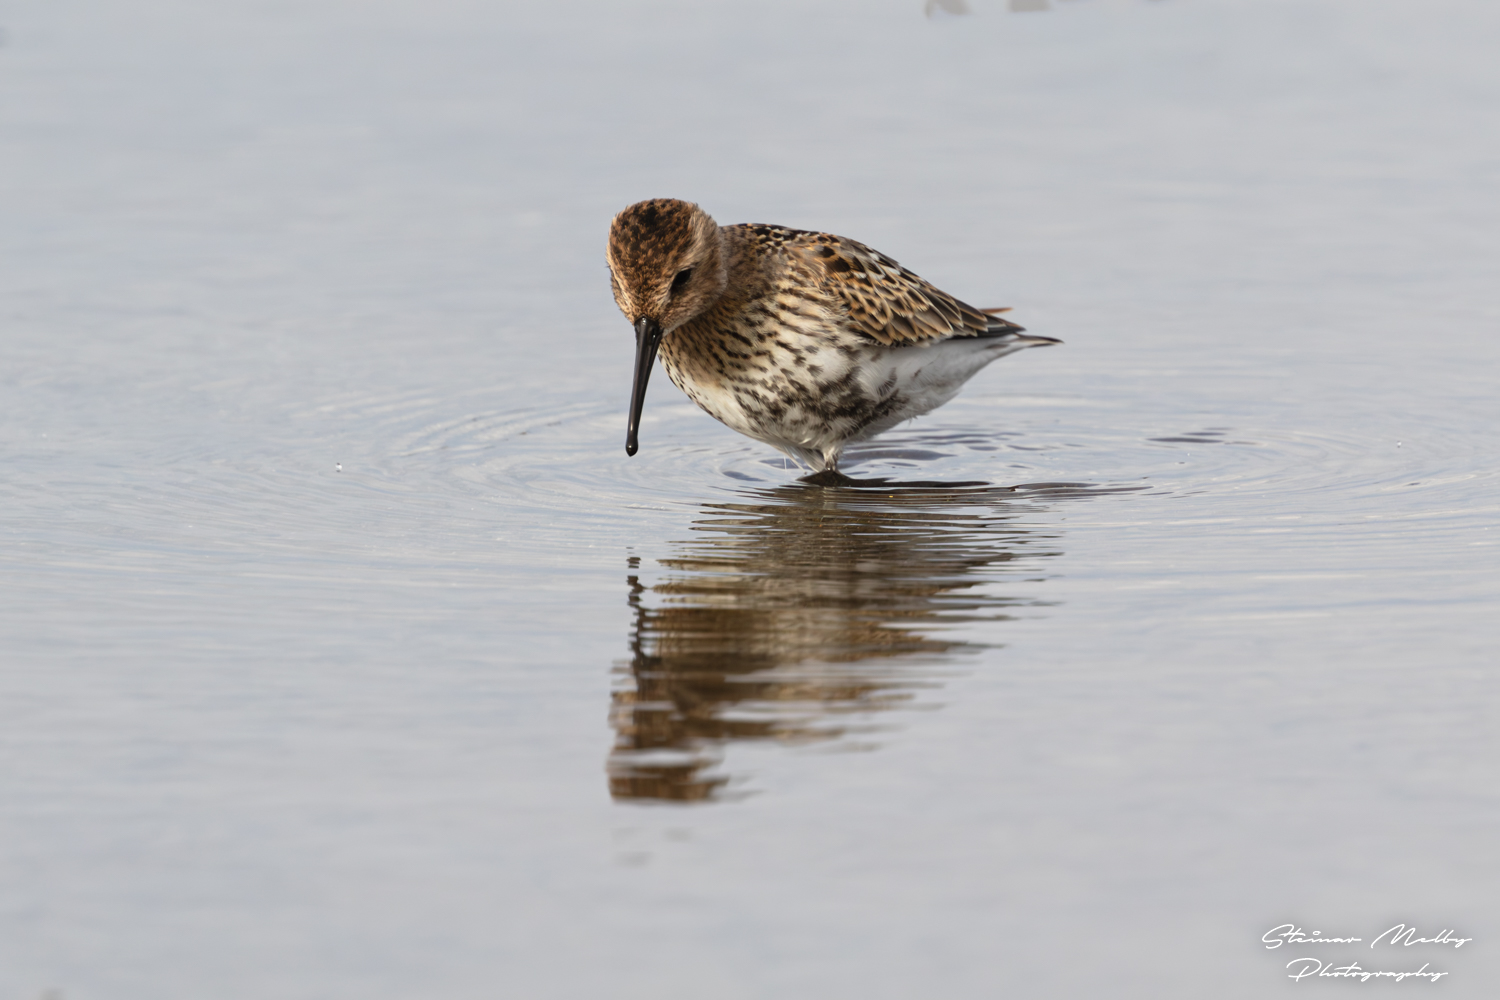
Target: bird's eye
pixel 680 282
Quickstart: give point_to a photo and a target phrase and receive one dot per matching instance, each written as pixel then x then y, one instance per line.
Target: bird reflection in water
pixel 796 613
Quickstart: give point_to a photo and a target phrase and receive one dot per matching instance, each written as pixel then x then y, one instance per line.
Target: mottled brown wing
pixel 888 303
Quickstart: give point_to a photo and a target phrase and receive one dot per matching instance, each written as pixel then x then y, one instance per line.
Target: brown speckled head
pixel 666 262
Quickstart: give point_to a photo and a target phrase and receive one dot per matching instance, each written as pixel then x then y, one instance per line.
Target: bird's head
pixel 667 264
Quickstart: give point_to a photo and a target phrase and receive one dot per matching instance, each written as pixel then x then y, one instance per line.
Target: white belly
pixel 813 415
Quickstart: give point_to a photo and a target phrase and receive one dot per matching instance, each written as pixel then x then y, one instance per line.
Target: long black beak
pixel 647 340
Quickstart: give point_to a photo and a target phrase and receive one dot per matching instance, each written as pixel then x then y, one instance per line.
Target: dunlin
pixel 806 341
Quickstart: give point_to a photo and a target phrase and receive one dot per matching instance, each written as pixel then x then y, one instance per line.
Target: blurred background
pixel 343 652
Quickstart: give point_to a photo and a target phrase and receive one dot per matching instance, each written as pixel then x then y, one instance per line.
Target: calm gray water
pixel 347 655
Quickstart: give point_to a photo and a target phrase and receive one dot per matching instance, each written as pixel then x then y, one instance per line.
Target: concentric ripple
pixel 570 457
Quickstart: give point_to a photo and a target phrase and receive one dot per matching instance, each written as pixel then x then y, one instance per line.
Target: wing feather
pixel 885 301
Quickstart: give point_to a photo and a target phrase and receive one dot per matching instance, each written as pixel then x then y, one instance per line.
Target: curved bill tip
pixel 647 339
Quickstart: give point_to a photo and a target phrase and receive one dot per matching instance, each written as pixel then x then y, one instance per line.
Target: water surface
pixel 347 654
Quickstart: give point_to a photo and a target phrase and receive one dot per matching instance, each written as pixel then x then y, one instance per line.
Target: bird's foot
pixel 828 477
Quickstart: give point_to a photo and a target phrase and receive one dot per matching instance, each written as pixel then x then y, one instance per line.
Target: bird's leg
pixel 829 475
